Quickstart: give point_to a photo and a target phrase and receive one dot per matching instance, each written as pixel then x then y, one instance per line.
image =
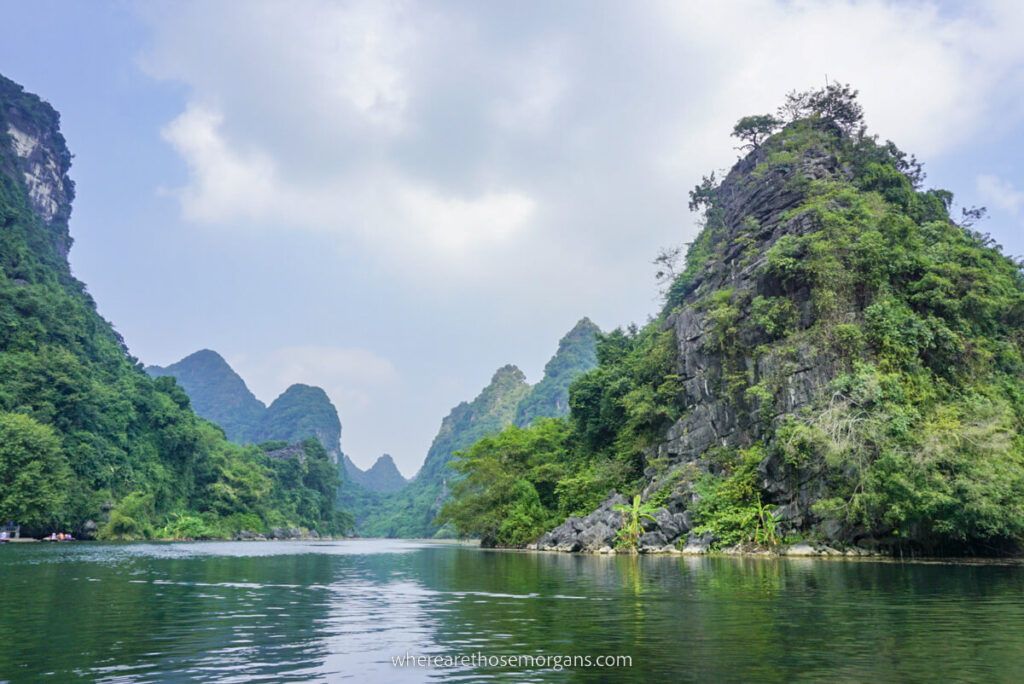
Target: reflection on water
pixel 330 611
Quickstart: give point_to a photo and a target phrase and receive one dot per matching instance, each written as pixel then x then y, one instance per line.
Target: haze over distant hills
pixel 220 395
pixel 506 400
pixel 382 476
pixel 383 501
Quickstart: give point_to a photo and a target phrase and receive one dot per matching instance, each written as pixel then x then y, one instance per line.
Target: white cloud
pixel 1001 193
pixel 432 133
pixel 529 160
pixel 223 183
pixel 228 186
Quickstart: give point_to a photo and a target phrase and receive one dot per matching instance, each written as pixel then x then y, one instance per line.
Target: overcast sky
pixel 391 200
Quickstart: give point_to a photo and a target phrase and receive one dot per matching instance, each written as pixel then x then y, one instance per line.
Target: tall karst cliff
pixel 88 441
pixel 576 354
pixel 838 361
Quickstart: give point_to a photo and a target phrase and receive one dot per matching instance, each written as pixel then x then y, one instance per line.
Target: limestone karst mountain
pixel 383 476
pixel 88 441
pixel 220 395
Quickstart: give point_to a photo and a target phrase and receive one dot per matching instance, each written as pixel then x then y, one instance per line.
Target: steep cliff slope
pixel 217 393
pixel 411 511
pixel 88 441
pixel 838 362
pixel 576 354
pixel 507 400
pixel 383 476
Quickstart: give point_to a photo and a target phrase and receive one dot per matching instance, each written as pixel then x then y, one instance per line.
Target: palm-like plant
pixel 628 536
pixel 767 532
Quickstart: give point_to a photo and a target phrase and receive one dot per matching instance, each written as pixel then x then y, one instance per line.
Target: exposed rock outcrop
pixel 40 159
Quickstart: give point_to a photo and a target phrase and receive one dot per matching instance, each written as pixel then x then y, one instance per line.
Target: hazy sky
pixel 391 200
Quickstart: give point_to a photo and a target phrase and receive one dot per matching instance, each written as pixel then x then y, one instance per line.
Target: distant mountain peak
pixel 382 476
pixel 508 372
pixel 220 395
pixel 576 354
pixel 217 392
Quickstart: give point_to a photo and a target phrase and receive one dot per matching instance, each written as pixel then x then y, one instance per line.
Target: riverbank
pixel 801 549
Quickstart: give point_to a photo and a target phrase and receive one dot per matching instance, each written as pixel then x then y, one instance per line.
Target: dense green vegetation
pixel 530 479
pixel 217 393
pixel 410 512
pixel 917 320
pixel 301 411
pixel 220 395
pixel 88 442
pixel 549 398
pixel 507 400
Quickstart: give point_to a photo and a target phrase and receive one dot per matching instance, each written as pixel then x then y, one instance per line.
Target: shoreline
pixel 795 551
pixel 800 551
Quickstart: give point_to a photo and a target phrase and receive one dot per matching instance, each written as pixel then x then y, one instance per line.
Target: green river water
pixel 336 611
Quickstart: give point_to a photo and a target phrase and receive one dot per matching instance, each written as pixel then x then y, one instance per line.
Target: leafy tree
pixel 753 130
pixel 87 437
pixel 507 496
pixel 836 104
pixel 33 473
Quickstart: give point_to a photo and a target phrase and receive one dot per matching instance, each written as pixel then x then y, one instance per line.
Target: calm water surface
pixel 234 612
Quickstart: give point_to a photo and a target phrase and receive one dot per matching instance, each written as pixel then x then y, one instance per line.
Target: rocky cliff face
pixel 40 159
pixel 828 333
pixel 753 217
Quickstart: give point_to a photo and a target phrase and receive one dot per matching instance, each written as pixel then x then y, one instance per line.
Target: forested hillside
pixel 88 442
pixel 838 360
pixel 217 393
pixel 506 400
pixel 220 395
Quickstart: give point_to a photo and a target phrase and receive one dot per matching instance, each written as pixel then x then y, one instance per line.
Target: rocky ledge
pixel 280 534
pixel 669 532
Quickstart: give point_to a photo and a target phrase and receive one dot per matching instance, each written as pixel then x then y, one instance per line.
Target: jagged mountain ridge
pixel 508 399
pixel 383 476
pixel 220 395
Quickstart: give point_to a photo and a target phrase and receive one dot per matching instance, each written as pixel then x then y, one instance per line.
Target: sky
pixel 393 199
